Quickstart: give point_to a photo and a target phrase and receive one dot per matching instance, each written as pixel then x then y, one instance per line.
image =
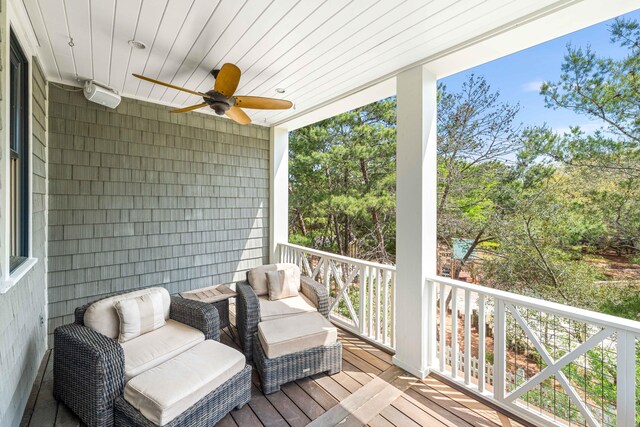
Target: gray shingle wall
pixel 22 334
pixel 140 197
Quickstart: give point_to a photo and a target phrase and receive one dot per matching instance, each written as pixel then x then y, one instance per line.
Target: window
pixel 19 156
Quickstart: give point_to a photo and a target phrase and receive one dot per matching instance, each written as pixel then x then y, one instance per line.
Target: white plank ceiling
pixel 316 50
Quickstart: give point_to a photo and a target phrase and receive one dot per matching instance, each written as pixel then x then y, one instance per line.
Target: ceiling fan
pixel 221 100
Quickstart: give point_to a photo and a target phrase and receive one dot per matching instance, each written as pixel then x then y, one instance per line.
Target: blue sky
pixel 518 76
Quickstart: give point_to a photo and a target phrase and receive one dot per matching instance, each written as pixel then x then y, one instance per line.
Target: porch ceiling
pixel 317 50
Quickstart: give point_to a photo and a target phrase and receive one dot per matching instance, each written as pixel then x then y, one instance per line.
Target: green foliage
pixel 620 300
pixel 580 192
pixel 605 89
pixel 602 88
pixel 539 206
pixel 534 202
pixel 342 183
pixel 476 132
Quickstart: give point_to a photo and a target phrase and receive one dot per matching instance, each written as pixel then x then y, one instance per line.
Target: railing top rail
pixel 574 313
pixel 340 257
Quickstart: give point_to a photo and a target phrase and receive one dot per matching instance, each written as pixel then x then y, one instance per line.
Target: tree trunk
pixel 468 254
pixel 347 235
pixel 303 227
pixel 375 218
pixel 336 226
pixel 443 198
pixel 327 231
pixel 347 220
pixel 465 258
pixel 377 227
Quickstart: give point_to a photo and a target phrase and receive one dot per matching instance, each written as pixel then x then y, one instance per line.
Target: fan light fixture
pixel 221 98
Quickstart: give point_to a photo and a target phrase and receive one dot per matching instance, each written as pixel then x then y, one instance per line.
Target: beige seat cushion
pixel 257 276
pixel 151 349
pixel 293 334
pixel 271 310
pixel 166 391
pixel 296 333
pixel 101 316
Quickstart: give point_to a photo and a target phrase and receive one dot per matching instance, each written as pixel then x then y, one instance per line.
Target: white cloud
pixel 533 86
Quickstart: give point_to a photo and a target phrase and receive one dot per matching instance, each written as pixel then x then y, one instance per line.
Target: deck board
pixel 45 409
pixel 317 393
pixel 245 417
pixel 302 400
pixel 28 413
pixel 370 390
pixel 380 421
pixel 397 417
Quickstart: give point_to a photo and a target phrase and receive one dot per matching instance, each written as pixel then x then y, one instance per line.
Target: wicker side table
pixel 218 296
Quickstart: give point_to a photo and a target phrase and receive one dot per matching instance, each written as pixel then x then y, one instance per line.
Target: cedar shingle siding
pixel 140 197
pixel 22 334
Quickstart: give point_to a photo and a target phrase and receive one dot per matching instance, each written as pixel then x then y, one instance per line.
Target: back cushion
pixel 282 284
pixel 257 277
pixel 139 315
pixel 101 316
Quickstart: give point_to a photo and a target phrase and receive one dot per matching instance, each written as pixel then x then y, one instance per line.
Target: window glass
pixel 19 145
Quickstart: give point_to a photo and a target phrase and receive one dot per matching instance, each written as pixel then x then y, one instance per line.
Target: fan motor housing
pixel 218 102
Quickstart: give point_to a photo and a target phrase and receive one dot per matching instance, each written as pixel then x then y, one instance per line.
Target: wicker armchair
pixel 89 368
pixel 248 309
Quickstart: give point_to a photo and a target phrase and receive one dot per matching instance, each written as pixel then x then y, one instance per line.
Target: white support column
pixel 416 215
pixel 278 190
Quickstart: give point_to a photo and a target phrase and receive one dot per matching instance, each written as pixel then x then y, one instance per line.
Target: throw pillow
pixel 139 315
pixel 258 279
pixel 282 284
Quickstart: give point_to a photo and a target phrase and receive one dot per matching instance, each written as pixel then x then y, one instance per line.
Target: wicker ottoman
pixel 194 389
pixel 295 347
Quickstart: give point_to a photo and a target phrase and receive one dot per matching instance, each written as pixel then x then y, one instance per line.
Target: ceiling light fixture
pixel 280 90
pixel 137 45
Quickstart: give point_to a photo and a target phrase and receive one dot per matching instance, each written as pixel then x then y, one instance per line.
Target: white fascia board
pixel 354 99
pixel 552 22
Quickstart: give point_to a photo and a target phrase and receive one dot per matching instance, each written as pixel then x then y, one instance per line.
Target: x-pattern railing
pixel 568 348
pixel 361 292
pixel 560 345
pixel 554 366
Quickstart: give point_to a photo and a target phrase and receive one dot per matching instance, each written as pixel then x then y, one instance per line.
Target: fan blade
pixel 227 80
pixel 259 103
pixel 238 116
pixel 191 108
pixel 158 82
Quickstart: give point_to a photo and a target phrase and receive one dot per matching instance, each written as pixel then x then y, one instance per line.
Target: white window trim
pixel 18 273
pixel 15 18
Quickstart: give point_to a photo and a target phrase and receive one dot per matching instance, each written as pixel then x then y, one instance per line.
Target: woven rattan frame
pixel 88 367
pixel 290 367
pixel 248 309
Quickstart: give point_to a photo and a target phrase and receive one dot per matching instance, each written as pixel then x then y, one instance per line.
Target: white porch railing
pixel 361 293
pixel 550 363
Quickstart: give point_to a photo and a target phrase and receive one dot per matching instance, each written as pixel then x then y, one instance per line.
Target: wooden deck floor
pixel 369 391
